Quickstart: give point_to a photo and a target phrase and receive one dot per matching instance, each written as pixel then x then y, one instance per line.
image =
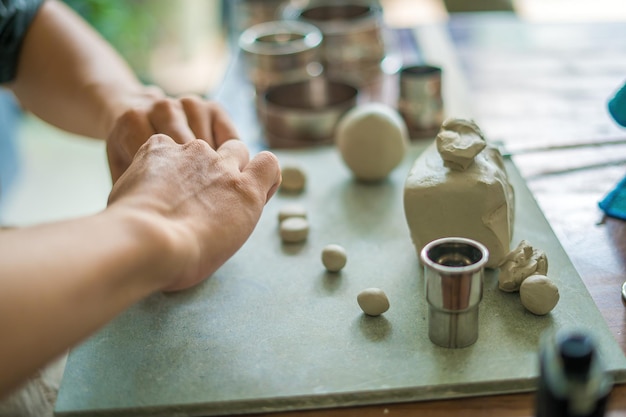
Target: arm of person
pixel 174 217
pixel 69 76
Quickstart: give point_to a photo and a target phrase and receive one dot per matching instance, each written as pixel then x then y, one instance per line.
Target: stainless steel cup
pixel 353 44
pixel 281 52
pixel 420 102
pixel 453 271
pixel 305 113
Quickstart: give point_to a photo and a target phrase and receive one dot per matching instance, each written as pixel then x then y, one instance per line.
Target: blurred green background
pixel 132 26
pixel 178 45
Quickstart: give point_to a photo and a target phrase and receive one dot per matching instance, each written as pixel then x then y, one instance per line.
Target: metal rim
pixel 309 37
pixel 444 269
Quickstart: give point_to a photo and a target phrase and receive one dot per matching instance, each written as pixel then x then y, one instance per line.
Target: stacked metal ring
pixel 281 52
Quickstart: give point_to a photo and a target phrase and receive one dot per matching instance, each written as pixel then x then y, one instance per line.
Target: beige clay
pixel 334 257
pixel 294 179
pixel 539 295
pixel 294 230
pixel 291 210
pixel 373 301
pixel 459 187
pixel 519 264
pixel 372 139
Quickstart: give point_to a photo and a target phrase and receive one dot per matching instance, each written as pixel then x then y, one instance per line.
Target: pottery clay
pixel 372 139
pixel 519 264
pixel 538 294
pixel 459 187
pixel 373 301
pixel 294 230
pixel 294 179
pixel 334 257
pixel 291 210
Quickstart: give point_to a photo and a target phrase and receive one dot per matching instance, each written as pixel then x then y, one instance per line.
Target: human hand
pixel 184 120
pixel 204 202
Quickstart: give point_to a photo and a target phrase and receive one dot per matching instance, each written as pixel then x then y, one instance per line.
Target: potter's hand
pixel 205 202
pixel 184 120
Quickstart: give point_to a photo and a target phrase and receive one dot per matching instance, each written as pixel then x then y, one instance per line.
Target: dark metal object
pixel 572 382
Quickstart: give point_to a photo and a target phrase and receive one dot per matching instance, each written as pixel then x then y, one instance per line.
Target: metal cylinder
pixel 281 52
pixel 420 101
pixel 453 272
pixel 305 113
pixel 353 45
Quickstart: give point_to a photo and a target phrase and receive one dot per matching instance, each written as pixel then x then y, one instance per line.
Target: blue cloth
pixel 617 106
pixel 614 204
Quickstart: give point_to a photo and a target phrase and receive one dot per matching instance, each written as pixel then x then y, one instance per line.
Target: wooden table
pixel 540 97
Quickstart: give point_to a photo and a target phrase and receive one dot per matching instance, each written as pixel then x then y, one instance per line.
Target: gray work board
pixel 271 330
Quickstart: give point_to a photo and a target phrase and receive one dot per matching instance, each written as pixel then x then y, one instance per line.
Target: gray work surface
pixel 271 330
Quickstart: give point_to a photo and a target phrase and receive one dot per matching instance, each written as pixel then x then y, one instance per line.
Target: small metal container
pixel 453 272
pixel 420 101
pixel 281 52
pixel 353 45
pixel 305 113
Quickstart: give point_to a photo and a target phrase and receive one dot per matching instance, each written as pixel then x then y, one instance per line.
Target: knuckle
pixel 165 105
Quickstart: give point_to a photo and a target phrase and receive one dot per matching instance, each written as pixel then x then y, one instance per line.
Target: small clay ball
pixel 291 210
pixel 294 179
pixel 372 139
pixel 294 230
pixel 538 294
pixel 334 257
pixel 373 301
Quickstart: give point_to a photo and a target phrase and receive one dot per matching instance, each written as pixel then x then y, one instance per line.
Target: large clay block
pixel 459 187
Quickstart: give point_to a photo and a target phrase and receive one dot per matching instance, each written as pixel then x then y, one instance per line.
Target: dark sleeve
pixel 15 18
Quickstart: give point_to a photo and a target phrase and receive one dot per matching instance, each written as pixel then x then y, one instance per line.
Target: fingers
pixel 129 133
pixel 168 117
pixel 236 151
pixel 264 167
pixel 198 118
pixel 208 121
pixel 223 128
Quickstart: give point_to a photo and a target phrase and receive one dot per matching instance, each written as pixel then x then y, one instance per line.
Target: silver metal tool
pixel 453 272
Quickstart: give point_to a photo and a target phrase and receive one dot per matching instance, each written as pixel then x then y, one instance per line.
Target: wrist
pixel 155 255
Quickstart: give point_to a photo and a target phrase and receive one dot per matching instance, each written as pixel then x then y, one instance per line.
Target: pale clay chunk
pixel 372 139
pixel 442 200
pixel 294 179
pixel 373 301
pixel 459 142
pixel 538 294
pixel 291 210
pixel 519 264
pixel 334 257
pixel 294 230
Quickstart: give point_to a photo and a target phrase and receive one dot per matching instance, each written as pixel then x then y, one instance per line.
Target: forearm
pixel 70 77
pixel 55 290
